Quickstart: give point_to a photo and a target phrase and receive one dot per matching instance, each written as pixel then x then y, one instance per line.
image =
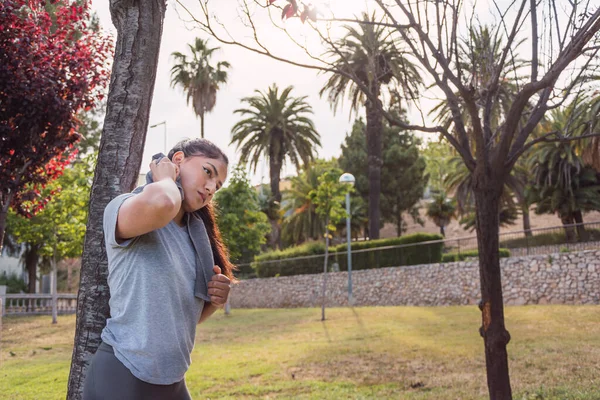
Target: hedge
pixel 288 262
pixel 463 255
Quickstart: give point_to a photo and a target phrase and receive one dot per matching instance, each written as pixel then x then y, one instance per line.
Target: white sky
pixel 249 72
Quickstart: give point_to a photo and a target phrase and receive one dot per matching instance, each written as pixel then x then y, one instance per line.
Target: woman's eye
pixel 208 171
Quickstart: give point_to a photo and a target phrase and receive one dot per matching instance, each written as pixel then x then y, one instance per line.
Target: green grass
pixel 362 353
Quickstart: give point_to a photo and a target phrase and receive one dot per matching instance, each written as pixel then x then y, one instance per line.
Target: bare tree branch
pixel 570 53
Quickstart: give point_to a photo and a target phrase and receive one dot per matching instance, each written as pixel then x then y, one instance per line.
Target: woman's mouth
pixel 202 196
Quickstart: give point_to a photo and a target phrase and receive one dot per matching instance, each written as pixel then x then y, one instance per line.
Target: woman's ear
pixel 178 157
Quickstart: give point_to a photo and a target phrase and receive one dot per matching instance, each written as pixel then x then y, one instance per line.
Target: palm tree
pixel 563 185
pixel 198 78
pixel 441 210
pixel 301 221
pixel 276 126
pixel 369 55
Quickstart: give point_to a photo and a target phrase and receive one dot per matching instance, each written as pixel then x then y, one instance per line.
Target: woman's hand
pixel 165 169
pixel 218 288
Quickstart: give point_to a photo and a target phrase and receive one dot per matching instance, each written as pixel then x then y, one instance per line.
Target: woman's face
pixel 200 177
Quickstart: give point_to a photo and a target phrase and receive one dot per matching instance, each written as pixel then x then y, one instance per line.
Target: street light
pixel 165 133
pixel 348 179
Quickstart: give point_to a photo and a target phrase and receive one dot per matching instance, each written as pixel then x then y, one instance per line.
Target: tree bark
pixel 275 164
pixel 374 128
pixel 526 221
pixel 443 230
pixel 3 214
pixel 581 232
pixel 324 291
pixel 567 221
pixel 139 26
pixel 32 258
pixel 202 125
pixel 493 331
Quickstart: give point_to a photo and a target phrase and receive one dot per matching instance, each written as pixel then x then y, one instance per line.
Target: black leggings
pixel 108 379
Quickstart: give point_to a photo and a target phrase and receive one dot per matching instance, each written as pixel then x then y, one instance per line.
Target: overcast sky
pixel 249 72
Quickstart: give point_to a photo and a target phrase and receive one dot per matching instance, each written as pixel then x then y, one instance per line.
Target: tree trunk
pixel 275 165
pixel 32 258
pixel 202 125
pixel 581 232
pixel 567 221
pixel 493 331
pixel 374 133
pixel 3 214
pixel 139 29
pixel 526 221
pixel 324 291
pixel 69 275
pixel 443 230
pixel 399 223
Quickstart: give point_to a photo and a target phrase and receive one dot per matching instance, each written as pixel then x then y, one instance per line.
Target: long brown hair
pixel 203 147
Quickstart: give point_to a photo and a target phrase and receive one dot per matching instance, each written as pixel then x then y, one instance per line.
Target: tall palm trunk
pixel 374 133
pixel 139 29
pixel 526 221
pixel 568 221
pixel 487 190
pixel 399 223
pixel 202 125
pixel 275 165
pixel 581 232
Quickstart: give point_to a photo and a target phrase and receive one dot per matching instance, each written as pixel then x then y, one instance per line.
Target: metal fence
pixel 539 241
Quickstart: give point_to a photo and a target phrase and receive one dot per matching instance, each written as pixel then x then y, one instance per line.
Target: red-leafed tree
pixel 52 65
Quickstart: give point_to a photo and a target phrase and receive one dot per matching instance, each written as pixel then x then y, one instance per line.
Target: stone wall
pixel 566 278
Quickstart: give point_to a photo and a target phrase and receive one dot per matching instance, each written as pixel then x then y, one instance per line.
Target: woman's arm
pixel 208 310
pixel 154 207
pixel 218 290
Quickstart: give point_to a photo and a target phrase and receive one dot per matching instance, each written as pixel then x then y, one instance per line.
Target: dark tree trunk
pixel 139 26
pixel 568 221
pixel 399 223
pixel 202 125
pixel 581 232
pixel 487 190
pixel 3 214
pixel 32 258
pixel 374 128
pixel 443 230
pixel 275 165
pixel 526 221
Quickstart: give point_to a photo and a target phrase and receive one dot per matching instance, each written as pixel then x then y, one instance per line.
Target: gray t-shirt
pixel 153 309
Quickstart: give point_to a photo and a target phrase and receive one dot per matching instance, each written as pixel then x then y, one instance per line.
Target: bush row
pixel 309 258
pixel 463 255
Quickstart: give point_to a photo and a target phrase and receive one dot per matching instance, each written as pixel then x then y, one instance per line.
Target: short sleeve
pixel 111 212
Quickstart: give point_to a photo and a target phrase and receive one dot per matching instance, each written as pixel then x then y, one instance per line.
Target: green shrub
pixel 463 255
pixel 288 262
pixel 13 282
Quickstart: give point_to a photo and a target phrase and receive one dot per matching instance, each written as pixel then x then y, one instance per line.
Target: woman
pixel 167 271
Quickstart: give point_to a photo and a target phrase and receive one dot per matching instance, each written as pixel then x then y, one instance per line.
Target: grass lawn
pixel 361 353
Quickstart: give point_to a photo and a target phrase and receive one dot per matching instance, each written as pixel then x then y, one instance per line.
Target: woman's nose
pixel 210 188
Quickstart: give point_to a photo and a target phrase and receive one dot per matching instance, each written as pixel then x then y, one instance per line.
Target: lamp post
pixel 348 179
pixel 165 133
